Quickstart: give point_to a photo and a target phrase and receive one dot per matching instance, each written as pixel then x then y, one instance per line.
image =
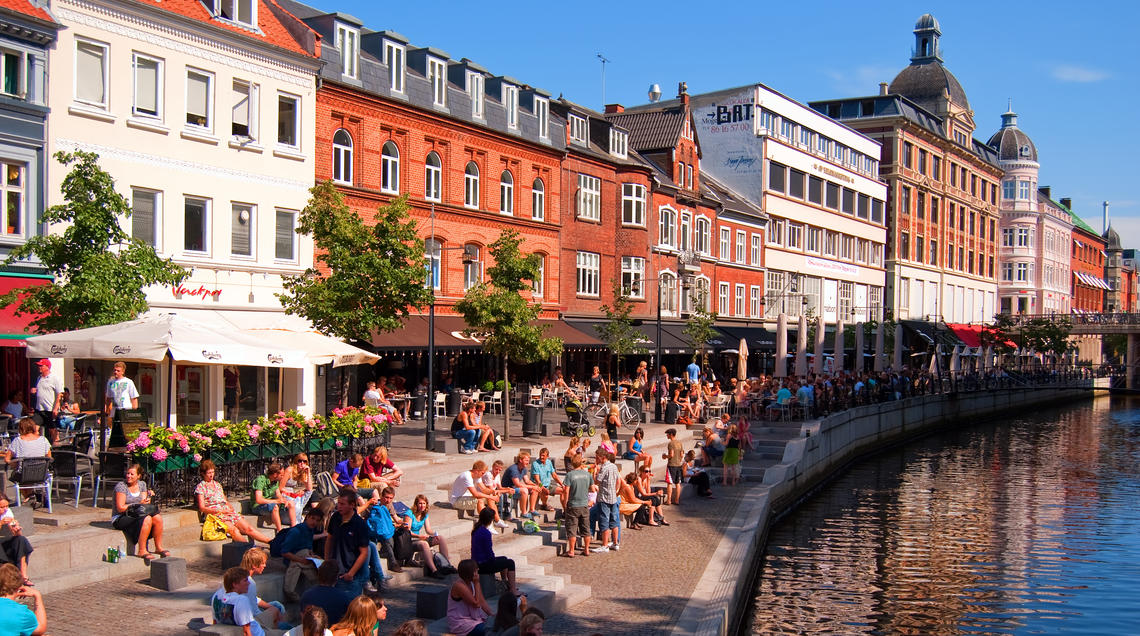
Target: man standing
pixel 47 392
pixel 661 391
pixel 675 456
pixel 348 544
pixel 576 507
pixel 606 478
pixel 693 371
pixel 121 392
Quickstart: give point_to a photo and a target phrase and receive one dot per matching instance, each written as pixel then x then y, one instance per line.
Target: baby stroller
pixel 576 424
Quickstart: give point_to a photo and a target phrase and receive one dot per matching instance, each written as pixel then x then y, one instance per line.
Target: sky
pixel 1066 67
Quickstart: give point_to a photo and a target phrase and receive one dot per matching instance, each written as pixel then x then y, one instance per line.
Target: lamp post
pixel 686 282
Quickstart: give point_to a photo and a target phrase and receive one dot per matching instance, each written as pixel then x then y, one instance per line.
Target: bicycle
pixel 599 410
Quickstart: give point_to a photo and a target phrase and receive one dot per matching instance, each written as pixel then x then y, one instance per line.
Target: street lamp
pixel 635 286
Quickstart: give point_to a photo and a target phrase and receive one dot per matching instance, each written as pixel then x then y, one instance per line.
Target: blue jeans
pixel 596 520
pixel 372 569
pixel 609 517
pixel 468 436
pixel 354 587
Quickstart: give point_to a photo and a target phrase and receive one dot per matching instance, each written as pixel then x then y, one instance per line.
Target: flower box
pixel 170 464
pixel 318 445
pixel 244 454
pixel 283 449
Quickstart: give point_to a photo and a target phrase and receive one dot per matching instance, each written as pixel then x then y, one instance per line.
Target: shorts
pixel 577 521
pixel 673 474
pixel 552 490
pixel 496 565
pixel 46 420
pixel 263 509
pixel 609 516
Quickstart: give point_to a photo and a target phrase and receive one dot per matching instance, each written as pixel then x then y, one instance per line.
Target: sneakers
pixel 615 547
pixel 468 451
pixel 502 524
pixel 492 530
pixel 599 550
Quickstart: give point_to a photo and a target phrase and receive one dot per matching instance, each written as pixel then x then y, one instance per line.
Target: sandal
pixel 147 556
pixel 164 553
pixel 28 582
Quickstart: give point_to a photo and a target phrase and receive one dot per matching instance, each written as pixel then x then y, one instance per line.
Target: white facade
pixel 207 126
pixel 818 182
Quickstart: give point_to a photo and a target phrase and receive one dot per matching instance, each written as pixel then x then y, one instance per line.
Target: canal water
pixel 1029 525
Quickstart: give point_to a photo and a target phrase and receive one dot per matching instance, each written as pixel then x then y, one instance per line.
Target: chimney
pixel 1067 202
pixel 1047 191
pixel 1105 217
pixel 612 109
pixel 883 88
pixel 683 92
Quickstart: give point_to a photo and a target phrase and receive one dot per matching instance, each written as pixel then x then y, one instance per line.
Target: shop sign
pixel 182 290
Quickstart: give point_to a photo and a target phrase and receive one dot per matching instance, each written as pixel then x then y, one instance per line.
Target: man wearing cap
pixel 46 393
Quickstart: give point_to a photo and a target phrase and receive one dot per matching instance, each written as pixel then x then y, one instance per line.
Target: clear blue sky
pixel 1071 70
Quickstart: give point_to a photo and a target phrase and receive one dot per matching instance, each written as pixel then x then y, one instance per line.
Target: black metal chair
pixel 81 443
pixel 70 467
pixel 113 468
pixel 33 474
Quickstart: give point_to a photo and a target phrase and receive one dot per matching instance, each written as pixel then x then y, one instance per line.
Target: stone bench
pixel 169 574
pixel 431 601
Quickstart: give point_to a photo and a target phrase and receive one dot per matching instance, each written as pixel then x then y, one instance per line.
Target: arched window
pixel 539 282
pixel 342 156
pixel 538 201
pixel 434 252
pixel 506 193
pixel 471 185
pixel 668 236
pixel 433 171
pixel 668 293
pixel 390 168
pixel 703 235
pixel 472 270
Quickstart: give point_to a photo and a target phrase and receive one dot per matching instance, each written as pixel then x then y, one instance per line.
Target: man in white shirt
pixel 121 392
pixel 231 607
pixel 467 491
pixel 46 394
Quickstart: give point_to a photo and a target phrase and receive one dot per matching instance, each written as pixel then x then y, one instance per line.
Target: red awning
pixel 970 335
pixel 13 328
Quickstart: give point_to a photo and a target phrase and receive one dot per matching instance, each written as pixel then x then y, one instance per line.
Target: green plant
pixel 488 386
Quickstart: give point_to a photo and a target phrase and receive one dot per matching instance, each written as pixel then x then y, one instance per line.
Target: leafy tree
pixel 367 278
pixel 1047 335
pixel 100 271
pixel 700 329
pixel 618 332
pixel 998 335
pixel 497 312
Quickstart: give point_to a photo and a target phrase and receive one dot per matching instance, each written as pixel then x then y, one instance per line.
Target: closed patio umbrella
pixel 880 343
pixel 839 344
pixel 801 348
pixel 860 363
pixel 781 370
pixel 818 361
pixel 742 360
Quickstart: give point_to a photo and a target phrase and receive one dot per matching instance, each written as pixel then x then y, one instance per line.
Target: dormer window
pixel 240 11
pixel 578 129
pixel 394 58
pixel 348 43
pixel 475 91
pixel 687 129
pixel 437 75
pixel 619 143
pixel 511 101
pixel 11 77
pixel 542 113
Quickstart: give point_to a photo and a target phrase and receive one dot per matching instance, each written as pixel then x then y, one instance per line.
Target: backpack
pixel 442 564
pixel 402 546
pixel 326 485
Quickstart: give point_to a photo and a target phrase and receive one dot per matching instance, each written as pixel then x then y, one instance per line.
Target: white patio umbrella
pixel 956 361
pixel 934 362
pixel 742 360
pixel 896 362
pixel 838 365
pixel 860 363
pixel 880 344
pixel 801 348
pixel 988 358
pixel 817 363
pixel 781 370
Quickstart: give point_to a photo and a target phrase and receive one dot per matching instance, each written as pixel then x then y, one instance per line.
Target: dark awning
pixel 413 334
pixel 673 338
pixel 757 337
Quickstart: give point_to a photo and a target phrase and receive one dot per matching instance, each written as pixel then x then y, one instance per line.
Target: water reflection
pixel 1027 526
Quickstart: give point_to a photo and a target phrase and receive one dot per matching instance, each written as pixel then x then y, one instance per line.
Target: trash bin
pixel 671 412
pixel 532 419
pixel 454 403
pixel 419 407
pixel 635 402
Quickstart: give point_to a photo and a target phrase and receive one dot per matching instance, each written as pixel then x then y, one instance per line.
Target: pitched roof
pixel 276 25
pixel 26 8
pixel 656 129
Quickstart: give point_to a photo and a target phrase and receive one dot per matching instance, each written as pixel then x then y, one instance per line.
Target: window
pixel 722 307
pixel 348 43
pixel 796 183
pixel 589 197
pixel 473 268
pixel 633 276
pixel 619 143
pixel 739 300
pixel 538 200
pixel 1022 273
pixel 922 161
pixel 578 129
pixel 511 101
pixel 244 121
pixel 830 243
pixel 933 209
pixel 144 215
pixel 908 155
pixel 904 196
pixel 506 193
pixel 849 201
pixel 1009 189
pixel 703 236
pixel 667 293
pixel 877 212
pixel 754 251
pixel 148 85
pixel 390 168
pixel 832 200
pixel 437 76
pixel 813 239
pixel 699 297
pixel 815 190
pixel 754 301
pixel 805 137
pixel 668 228
pixel 285 236
pixel 433 252
pixel 864 206
pixel 920 209
pixel 475 91
pixel 919 249
pixel 241 230
pixel 199 99
pixel 91 73
pixel 433 174
pixel 288 120
pixel 471 185
pixel 394 58
pixel 847 247
pixel 795 236
pixel 776 231
pixel 243 11
pixel 725 239
pixel 846 294
pixel 1023 188
pixel 933 252
pixel 787 129
pixel 538 285
pixel 589 273
pixel 1022 237
pixel 740 238
pixel 13 189
pixel 11 73
pixel 822 145
pixel 936 167
pixel 904 246
pixel 1007 271
pixel 542 113
pixel 633 204
pixel 776 176
pixel 685 231
pixel 689 176
pixel 195 224
pixel 342 157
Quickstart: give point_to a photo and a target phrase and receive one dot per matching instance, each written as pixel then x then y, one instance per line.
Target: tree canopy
pixel 618 332
pixel 100 272
pixel 699 329
pixel 367 277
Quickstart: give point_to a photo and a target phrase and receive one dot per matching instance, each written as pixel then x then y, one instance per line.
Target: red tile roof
pixel 270 20
pixel 24 7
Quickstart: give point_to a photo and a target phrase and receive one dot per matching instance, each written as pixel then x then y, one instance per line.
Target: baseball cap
pixel 43 362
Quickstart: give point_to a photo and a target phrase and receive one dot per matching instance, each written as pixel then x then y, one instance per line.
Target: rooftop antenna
pixel 604 61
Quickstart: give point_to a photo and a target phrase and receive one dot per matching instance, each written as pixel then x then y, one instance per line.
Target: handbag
pixel 213 529
pixel 140 510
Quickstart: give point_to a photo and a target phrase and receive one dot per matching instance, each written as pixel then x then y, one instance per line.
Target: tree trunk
pixel 506 402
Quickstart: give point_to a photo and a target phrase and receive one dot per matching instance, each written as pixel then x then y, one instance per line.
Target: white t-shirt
pixel 121 392
pixel 243 614
pixel 24 449
pixel 461 484
pixel 46 391
pixel 371 397
pixel 300 631
pixel 251 595
pixel 492 481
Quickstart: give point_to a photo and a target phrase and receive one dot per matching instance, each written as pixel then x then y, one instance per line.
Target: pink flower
pixel 253 434
pixel 368 429
pixel 159 454
pixel 131 447
pixel 197 457
pixel 222 432
pixel 338 444
pixel 184 446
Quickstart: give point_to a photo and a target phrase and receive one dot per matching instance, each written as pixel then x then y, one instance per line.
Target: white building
pixel 204 115
pixel 818 181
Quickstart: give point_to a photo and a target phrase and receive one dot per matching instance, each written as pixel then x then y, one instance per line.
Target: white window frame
pixel 390 168
pixel 156 233
pixel 754 252
pixel 702 235
pixel 542 113
pixel 667 292
pixel 589 197
pixel 437 76
pixel 209 77
pixel 813 239
pixel 722 306
pixel 342 158
pixel 236 10
pixel 795 239
pixel 619 143
pixel 589 265
pixel 136 110
pixel 21 72
pixel 433 263
pixel 18 187
pixel 579 128
pixel 725 244
pixel 476 90
pixel 754 301
pixel 633 276
pixel 776 231
pixel 473 268
pixel 633 203
pixel 538 200
pixel 741 237
pixel 206 212
pixel 685 231
pixel 250 109
pixel 511 103
pixel 830 243
pixel 348 43
pixel 507 193
pixel 295 124
pixel 105 53
pixel 538 285
pixel 471 186
pixel 395 57
pixel 667 227
pixel 738 297
pixel 433 177
pixel 236 208
pixel 292 216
